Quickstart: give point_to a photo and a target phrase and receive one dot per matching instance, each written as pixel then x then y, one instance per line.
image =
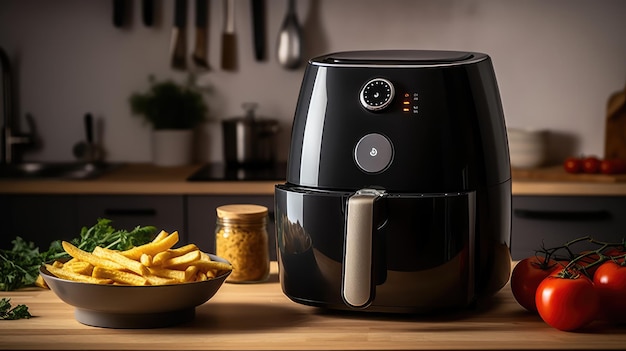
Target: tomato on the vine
pixel 573 165
pixel 586 262
pixel 525 279
pixel 616 254
pixel 610 283
pixel 567 303
pixel 613 166
pixel 591 164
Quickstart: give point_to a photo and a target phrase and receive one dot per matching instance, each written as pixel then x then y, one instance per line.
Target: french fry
pixel 201 276
pixel 205 264
pixel 156 280
pixel 190 273
pixel 182 250
pixel 145 260
pixel 177 275
pixel 162 235
pixel 152 247
pixel 89 257
pixel 154 263
pixel 131 265
pixel 41 283
pixel 80 267
pixel 183 261
pixel 119 276
pixel 161 257
pixel 66 274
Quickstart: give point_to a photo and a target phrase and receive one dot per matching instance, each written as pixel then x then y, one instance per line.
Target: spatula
pixel 178 45
pixel 229 39
pixel 200 52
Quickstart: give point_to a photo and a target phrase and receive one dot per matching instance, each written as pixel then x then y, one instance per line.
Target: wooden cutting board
pixel 615 134
pixel 558 174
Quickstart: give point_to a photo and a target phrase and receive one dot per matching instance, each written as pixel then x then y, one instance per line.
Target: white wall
pixel 556 62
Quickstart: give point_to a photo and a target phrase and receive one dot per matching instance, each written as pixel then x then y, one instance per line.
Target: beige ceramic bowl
pixel 527 147
pixel 118 306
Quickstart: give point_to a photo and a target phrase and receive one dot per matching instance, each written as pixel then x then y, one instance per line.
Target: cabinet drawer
pixel 126 212
pixel 555 220
pixel 201 218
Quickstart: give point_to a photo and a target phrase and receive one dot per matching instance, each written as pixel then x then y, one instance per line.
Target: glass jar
pixel 241 238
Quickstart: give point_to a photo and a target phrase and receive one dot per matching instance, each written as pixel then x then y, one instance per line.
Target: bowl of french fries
pixel 149 286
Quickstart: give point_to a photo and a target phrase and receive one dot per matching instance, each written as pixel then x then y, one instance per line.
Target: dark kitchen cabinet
pixel 44 218
pixel 201 218
pixel 38 218
pixel 165 212
pixel 555 220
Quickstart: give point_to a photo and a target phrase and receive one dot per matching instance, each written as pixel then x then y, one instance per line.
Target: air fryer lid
pixel 395 57
pixel 404 121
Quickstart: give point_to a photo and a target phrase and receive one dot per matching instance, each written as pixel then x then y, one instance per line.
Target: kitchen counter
pixel 134 179
pixel 261 317
pixel 148 179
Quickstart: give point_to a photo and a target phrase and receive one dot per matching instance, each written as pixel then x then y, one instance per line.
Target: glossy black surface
pixel 440 247
pixel 456 140
pixel 422 260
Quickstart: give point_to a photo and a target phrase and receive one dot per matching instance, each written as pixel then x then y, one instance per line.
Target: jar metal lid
pixel 245 212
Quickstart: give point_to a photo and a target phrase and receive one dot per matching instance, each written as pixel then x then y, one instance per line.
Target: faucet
pixel 10 138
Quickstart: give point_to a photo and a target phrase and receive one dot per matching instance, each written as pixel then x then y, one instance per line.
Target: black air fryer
pixel 398 192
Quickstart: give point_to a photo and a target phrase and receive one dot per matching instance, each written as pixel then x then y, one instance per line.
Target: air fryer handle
pixel 357 286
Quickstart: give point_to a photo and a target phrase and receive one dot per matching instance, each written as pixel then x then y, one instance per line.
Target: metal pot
pixel 249 141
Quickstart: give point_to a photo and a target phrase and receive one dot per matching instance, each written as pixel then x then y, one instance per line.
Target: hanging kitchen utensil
pixel 178 45
pixel 147 12
pixel 87 150
pixel 290 39
pixel 229 39
pixel 200 52
pixel 119 12
pixel 258 27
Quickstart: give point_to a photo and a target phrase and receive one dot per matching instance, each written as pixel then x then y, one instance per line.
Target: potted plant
pixel 173 110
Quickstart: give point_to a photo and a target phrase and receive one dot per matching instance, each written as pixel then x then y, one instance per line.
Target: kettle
pixel 249 141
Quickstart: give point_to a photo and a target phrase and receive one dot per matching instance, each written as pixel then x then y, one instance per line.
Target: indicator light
pixel 406 102
pixel 405 109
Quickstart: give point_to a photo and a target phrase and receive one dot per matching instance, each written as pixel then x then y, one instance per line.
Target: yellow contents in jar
pixel 241 238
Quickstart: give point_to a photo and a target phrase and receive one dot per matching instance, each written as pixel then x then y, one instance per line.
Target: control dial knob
pixel 377 94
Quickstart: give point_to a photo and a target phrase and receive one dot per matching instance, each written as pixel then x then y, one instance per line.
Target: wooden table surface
pixel 261 317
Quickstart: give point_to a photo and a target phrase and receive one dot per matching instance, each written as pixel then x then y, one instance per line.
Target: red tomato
pixel 617 254
pixel 526 277
pixel 567 303
pixel 573 165
pixel 591 164
pixel 586 261
pixel 610 283
pixel 614 166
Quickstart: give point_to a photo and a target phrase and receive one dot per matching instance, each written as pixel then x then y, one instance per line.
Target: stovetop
pixel 221 172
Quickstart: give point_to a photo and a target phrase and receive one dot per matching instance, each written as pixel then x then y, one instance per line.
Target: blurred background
pixel 557 62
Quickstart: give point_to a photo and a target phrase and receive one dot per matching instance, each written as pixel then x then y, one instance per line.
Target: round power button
pixel 373 153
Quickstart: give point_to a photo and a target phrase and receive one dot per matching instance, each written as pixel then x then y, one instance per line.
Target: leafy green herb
pixel 104 235
pixel 17 312
pixel 19 266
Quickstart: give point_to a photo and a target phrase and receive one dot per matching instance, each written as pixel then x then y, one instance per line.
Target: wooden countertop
pixel 139 179
pixel 261 317
pixel 151 180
